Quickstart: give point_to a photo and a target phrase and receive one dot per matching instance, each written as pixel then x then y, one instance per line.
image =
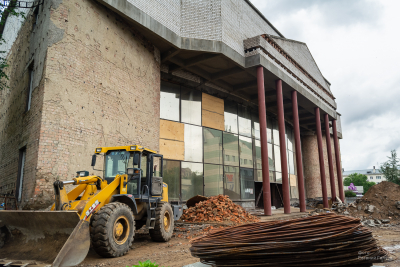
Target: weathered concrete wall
pixel 102 89
pixel 312 175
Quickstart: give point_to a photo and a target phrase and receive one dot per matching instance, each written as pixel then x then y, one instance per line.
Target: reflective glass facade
pixel 225 160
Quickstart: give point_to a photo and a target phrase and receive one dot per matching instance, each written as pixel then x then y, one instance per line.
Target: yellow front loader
pixel 102 212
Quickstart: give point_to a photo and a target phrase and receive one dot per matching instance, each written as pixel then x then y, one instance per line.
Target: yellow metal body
pixel 165 193
pixel 127 148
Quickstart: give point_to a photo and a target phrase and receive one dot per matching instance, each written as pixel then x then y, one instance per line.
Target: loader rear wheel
pixel 164 226
pixel 113 230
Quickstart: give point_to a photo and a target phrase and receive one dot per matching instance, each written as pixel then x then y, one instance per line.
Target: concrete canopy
pixel 218 62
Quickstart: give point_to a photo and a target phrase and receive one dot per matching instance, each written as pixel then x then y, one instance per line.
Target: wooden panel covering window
pixel 172 144
pixel 212 112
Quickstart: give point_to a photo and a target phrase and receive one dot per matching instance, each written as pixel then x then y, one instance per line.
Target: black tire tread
pixel 158 234
pixel 99 233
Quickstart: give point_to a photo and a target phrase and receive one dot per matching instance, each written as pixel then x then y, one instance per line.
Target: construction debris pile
pixel 378 207
pixel 322 240
pixel 217 209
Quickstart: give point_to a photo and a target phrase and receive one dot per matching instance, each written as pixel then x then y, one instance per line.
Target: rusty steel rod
pixel 322 240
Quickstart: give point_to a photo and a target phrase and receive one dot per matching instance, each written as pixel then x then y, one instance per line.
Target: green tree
pixel 391 168
pixel 358 180
pixel 7 9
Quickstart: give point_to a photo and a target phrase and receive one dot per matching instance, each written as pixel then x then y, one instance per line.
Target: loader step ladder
pixel 151 214
pixel 151 208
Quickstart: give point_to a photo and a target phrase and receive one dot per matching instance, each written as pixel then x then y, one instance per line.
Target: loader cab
pixel 143 167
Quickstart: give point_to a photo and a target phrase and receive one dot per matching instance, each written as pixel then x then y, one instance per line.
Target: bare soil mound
pixel 218 209
pixel 380 202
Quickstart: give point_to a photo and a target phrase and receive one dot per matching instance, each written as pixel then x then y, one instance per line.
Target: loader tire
pixel 113 230
pixel 164 225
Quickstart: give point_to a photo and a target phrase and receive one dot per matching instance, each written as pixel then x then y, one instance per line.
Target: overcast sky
pixel 356 45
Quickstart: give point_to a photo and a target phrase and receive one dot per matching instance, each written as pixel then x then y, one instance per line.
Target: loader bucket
pixel 58 238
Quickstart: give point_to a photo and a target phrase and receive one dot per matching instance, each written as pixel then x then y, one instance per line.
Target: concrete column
pixel 262 115
pixel 337 155
pixel 282 144
pixel 299 161
pixel 321 157
pixel 330 161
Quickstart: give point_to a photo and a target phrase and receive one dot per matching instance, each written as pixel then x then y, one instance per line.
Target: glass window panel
pixel 247 183
pixel 289 134
pixel 231 149
pixel 171 176
pixel 246 152
pixel 244 121
pixel 277 157
pixel 191 106
pixel 294 192
pixel 258 176
pixel 292 169
pixel 269 130
pixel 256 128
pixel 169 101
pixel 231 184
pixel 258 163
pixel 212 146
pixel 278 177
pixel 193 143
pixel 213 180
pixel 192 180
pixel 275 132
pixel 230 117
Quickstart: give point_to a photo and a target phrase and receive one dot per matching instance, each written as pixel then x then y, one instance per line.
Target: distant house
pixel 374 175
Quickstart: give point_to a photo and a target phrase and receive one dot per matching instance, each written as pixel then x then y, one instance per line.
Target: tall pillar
pixel 299 161
pixel 262 115
pixel 337 155
pixel 282 144
pixel 321 157
pixel 329 151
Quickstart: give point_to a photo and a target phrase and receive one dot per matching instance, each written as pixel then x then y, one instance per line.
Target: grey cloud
pixel 335 12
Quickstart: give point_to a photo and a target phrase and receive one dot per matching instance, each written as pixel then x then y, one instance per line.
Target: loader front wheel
pixel 164 226
pixel 113 230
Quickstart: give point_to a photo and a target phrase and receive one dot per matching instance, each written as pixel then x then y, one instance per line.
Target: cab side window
pixel 143 165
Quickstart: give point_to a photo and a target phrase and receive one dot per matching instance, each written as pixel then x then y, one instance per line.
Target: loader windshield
pixel 116 162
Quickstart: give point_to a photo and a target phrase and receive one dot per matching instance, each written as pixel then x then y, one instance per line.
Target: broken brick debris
pixel 218 209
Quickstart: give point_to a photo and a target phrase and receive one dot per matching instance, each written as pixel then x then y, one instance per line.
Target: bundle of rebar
pixel 321 240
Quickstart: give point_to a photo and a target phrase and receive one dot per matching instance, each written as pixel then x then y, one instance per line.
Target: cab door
pixel 155 174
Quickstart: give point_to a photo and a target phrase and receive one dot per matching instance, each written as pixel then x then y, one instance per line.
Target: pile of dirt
pixel 381 202
pixel 218 209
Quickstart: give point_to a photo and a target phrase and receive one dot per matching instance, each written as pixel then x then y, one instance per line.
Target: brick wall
pixel 99 86
pixel 19 128
pixel 312 177
pixel 102 89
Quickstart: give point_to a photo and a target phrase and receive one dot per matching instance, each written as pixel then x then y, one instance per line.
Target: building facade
pixel 373 175
pixel 234 106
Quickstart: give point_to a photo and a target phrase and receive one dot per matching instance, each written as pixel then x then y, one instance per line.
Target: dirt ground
pixel 175 253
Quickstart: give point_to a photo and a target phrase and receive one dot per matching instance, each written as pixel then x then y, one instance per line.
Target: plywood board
pixel 212 103
pixel 172 130
pixel 213 120
pixel 293 180
pixel 171 149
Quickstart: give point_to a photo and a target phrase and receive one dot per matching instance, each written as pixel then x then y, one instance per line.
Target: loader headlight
pixel 98 150
pixel 82 173
pixel 130 171
pixel 133 147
